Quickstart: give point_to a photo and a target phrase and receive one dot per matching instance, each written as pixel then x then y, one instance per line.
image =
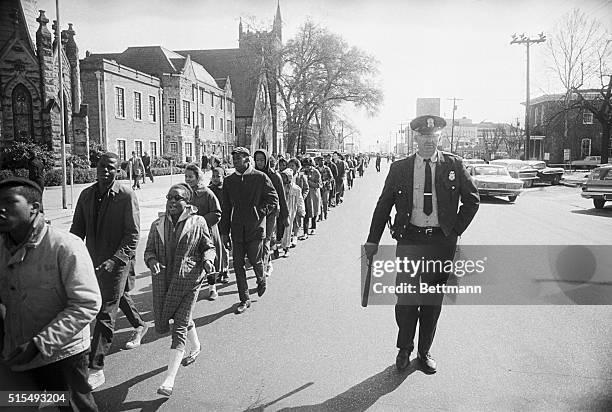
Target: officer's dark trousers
pixel 423 309
pixel 112 285
pixel 254 251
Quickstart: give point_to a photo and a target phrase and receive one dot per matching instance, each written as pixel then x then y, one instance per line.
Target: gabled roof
pixel 589 94
pixel 157 60
pixel 240 67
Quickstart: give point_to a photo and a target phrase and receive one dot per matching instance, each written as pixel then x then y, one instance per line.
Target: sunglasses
pixel 176 198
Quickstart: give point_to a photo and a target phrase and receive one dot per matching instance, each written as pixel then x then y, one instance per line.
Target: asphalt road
pixel 308 345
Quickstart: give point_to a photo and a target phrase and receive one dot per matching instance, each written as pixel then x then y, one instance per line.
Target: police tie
pixel 427 204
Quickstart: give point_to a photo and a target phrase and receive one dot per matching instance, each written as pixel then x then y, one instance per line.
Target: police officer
pixel 425 189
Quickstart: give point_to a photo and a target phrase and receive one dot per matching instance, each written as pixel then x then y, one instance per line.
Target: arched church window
pixel 22 113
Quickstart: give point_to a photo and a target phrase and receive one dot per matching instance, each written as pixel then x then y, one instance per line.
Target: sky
pixel 437 48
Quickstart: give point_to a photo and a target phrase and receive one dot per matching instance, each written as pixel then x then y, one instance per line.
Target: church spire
pixel 277 27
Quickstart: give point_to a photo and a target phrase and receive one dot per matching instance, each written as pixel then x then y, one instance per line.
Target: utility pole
pixel 58 39
pixel 527 42
pixel 453 122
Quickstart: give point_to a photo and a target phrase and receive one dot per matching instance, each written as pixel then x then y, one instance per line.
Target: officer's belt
pixel 426 230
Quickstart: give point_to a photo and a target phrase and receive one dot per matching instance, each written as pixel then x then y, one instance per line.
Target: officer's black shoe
pixel 403 359
pixel 428 364
pixel 261 288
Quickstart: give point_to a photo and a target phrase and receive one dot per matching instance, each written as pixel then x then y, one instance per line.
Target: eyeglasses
pixel 176 198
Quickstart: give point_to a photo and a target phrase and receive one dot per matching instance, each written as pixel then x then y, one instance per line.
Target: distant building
pixel 29 81
pixel 124 107
pixel 428 105
pixel 258 123
pixel 547 128
pixel 198 111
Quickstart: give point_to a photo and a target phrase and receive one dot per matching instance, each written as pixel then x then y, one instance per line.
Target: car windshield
pixel 538 165
pixel 490 171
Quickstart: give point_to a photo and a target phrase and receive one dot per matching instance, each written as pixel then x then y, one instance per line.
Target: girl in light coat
pixel 295 205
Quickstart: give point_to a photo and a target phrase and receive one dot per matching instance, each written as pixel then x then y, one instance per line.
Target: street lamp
pixel 527 42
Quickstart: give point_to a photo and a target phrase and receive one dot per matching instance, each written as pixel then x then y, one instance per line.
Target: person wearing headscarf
pixel 179 253
pixel 313 200
pixel 216 186
pixel 326 180
pixel 209 208
pixel 295 205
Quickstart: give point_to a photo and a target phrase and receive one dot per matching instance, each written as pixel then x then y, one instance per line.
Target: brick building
pixel 251 67
pixel 29 81
pixel 547 126
pixel 197 110
pixel 124 107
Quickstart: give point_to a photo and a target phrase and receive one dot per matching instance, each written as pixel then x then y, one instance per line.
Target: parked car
pixel 599 186
pixel 468 162
pixel 587 162
pixel 494 180
pixel 518 169
pixel 551 175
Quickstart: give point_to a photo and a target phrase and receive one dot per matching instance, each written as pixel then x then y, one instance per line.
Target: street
pixel 307 344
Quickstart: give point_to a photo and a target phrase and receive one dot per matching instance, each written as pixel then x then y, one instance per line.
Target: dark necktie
pixel 427 204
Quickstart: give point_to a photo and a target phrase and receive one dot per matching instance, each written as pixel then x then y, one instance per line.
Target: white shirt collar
pixel 434 157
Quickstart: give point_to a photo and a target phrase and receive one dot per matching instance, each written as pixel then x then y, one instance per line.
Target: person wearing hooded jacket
pixel 278 220
pixel 248 197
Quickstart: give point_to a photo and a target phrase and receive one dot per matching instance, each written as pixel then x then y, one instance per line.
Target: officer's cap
pixel 242 151
pixel 428 124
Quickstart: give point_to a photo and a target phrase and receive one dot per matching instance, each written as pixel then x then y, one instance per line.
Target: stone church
pixel 29 81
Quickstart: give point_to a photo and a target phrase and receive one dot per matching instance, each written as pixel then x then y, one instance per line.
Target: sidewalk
pixel 149 194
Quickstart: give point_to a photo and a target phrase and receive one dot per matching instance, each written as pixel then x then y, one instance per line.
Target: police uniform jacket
pixel 452 184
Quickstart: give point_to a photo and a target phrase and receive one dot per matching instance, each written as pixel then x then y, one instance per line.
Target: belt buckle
pixel 429 231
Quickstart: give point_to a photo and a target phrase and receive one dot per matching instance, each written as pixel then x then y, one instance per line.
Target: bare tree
pixel 321 71
pixel 579 56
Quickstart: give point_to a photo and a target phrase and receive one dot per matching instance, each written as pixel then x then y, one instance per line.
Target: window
pixel 137 106
pixel 221 102
pixel 585 147
pixel 186 112
pixel 229 127
pixel 121 149
pixel 23 125
pixel 188 150
pixel 152 109
pixel 221 124
pixel 202 119
pixel 119 102
pixel 172 110
pixel 202 95
pixel 535 116
pixel 153 146
pixel 194 92
pixel 542 115
pixel 138 147
pixel 229 106
pixel 212 122
pixel 173 147
pixel 193 120
pixel 212 99
pixel 587 117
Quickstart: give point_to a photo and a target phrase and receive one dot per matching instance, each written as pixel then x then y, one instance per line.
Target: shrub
pixel 163 171
pixel 16 155
pixel 157 161
pixel 80 162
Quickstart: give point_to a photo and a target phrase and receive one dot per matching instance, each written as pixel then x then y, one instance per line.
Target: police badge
pixel 451 175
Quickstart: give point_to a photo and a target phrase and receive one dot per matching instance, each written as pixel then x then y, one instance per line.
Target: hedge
pixel 54 177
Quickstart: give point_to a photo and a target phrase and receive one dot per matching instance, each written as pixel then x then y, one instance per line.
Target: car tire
pixel 512 198
pixel 599 203
pixel 555 180
pixel 528 184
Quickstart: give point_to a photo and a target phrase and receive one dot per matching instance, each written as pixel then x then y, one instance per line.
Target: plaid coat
pixel 175 289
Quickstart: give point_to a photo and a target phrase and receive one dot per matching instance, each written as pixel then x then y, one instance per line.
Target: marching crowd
pixel 52 285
